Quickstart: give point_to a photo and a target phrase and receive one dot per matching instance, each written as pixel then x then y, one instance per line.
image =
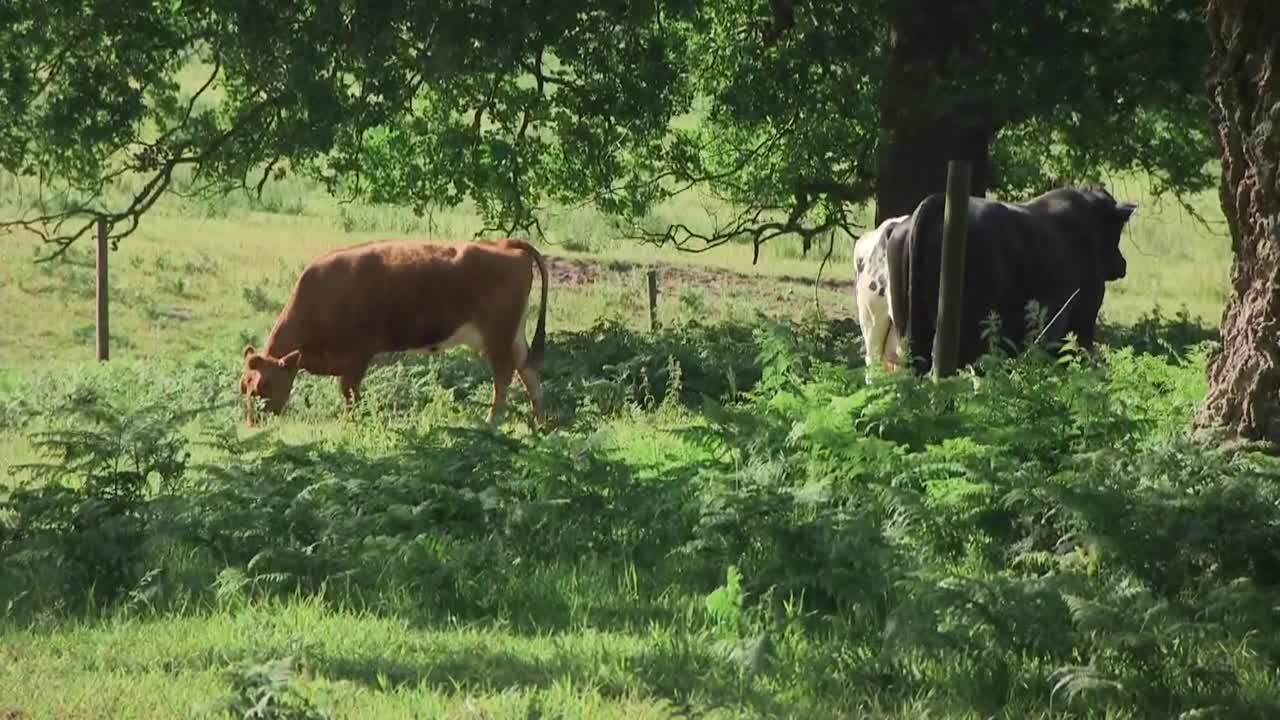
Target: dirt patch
pixel 578 272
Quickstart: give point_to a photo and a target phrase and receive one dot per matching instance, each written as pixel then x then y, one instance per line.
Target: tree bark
pixel 1244 96
pixel 913 164
pixel 917 138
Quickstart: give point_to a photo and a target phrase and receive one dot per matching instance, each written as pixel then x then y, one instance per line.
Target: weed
pixel 259 301
pixel 269 691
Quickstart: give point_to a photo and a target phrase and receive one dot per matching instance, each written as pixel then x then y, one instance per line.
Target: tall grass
pixel 737 515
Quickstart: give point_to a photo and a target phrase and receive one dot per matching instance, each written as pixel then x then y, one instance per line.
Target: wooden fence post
pixel 653 300
pixel 104 331
pixel 955 228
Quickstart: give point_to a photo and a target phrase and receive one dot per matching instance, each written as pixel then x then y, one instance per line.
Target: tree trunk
pixel 913 164
pixel 1244 96
pixel 917 139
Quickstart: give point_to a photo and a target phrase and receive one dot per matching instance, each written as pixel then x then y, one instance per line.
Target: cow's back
pixel 1045 249
pixel 999 245
pixel 391 296
pixel 1016 253
pixel 1045 254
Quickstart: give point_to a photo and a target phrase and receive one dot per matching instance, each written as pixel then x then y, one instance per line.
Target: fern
pixel 1074 681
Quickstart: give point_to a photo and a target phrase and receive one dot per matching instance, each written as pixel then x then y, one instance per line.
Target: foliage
pixel 269 691
pixel 812 113
pixel 97 513
pixel 1007 521
pixel 425 104
pixel 1043 540
pixel 581 103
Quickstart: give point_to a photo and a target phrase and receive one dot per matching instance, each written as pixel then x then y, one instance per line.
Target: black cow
pixel 1043 249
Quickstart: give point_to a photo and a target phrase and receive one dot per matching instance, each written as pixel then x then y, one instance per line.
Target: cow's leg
pixel 502 372
pixel 1084 317
pixel 1067 321
pixel 533 384
pixel 531 378
pixel 503 365
pixel 1085 332
pixel 349 389
pixel 349 384
pixel 890 354
pixel 878 334
pixel 873 333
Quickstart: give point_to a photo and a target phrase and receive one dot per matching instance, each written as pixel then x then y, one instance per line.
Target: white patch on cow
pixel 871 290
pixel 471 336
pixel 467 334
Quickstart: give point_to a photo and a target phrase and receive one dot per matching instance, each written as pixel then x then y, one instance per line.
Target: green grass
pixel 188 281
pixel 898 543
pixel 407 564
pixel 371 666
pixel 207 275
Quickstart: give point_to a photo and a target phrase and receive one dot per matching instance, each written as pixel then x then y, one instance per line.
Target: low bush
pixel 1045 539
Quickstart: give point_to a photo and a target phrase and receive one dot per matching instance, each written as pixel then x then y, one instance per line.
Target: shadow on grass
pixel 693 678
pixel 1154 333
pixel 463 522
pixel 609 367
pixel 545 533
pixel 452 521
pixel 460 522
pixel 553 533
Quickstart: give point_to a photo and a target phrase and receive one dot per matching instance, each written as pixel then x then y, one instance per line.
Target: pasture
pixel 723 520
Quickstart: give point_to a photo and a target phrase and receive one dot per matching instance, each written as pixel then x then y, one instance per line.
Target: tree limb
pixel 142 200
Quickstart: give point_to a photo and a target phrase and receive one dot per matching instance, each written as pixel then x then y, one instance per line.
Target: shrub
pixel 1044 535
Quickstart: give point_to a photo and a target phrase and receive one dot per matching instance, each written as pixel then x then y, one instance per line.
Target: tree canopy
pixel 517 106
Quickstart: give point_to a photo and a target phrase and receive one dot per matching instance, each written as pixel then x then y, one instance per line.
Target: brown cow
pixel 390 296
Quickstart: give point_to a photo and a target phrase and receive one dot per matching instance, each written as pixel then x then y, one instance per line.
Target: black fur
pixel 1043 249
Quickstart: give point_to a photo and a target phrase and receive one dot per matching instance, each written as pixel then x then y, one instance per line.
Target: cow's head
pixel 1114 265
pixel 268 378
pixel 1112 217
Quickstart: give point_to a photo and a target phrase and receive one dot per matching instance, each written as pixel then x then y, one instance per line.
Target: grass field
pixel 202 276
pixel 724 519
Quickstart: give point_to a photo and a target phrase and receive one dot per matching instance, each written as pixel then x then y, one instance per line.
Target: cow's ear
pixel 290 361
pixel 248 350
pixel 1126 210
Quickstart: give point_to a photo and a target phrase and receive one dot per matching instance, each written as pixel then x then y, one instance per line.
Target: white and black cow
pixel 1063 242
pixel 871 294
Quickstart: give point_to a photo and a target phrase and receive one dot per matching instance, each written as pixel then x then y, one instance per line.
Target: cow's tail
pixel 916 280
pixel 538 348
pixel 884 341
pixel 926 237
pixel 897 249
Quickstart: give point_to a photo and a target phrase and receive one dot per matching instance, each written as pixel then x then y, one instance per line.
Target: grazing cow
pixel 871 294
pixel 1045 249
pixel 386 296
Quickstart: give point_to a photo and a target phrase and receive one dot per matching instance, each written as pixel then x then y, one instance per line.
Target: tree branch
pixel 191 103
pixel 691 180
pixel 266 174
pixel 541 84
pixel 141 202
pixel 833 189
pixel 544 78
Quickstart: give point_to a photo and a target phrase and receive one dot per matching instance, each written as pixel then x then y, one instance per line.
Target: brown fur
pixel 389 296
